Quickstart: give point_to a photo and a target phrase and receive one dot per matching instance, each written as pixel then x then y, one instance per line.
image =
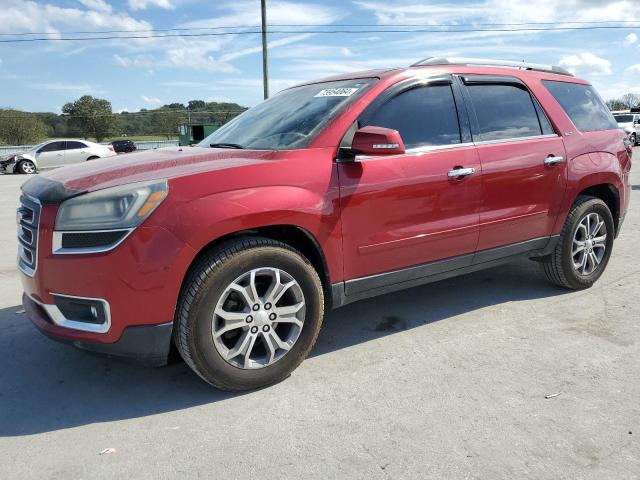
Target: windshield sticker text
pixel 336 92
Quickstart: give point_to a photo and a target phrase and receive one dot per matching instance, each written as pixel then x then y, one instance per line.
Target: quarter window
pixel 503 112
pixel 584 106
pixel 423 116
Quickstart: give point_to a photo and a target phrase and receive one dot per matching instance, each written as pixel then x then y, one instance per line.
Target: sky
pixel 147 73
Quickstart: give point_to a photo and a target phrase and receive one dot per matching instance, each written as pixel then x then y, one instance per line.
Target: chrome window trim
pixel 516 139
pixel 57 248
pixel 59 319
pixel 419 150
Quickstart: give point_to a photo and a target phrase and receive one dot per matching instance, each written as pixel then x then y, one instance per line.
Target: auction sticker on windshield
pixel 336 92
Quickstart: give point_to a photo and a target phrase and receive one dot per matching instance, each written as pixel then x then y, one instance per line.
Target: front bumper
pixel 148 345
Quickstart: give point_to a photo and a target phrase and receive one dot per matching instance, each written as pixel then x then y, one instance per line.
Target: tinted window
pixel 503 112
pixel 423 116
pixel 624 118
pixel 584 106
pixel 75 145
pixel 52 147
pixel 545 124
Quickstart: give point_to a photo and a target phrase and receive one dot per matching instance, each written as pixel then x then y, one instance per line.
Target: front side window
pixel 52 147
pixel 503 112
pixel 423 116
pixel 583 105
pixel 290 119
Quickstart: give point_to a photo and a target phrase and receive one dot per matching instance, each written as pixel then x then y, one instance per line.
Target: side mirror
pixel 377 141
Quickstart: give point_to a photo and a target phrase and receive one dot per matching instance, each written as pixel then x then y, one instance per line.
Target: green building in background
pixel 192 133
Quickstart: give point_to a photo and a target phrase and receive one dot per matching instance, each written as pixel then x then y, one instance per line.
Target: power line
pixel 625 24
pixel 330 32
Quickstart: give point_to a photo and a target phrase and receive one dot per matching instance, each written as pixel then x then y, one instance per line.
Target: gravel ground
pixel 445 381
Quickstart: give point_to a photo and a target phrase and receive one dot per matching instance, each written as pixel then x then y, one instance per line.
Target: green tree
pixel 21 128
pixel 92 116
pixel 167 121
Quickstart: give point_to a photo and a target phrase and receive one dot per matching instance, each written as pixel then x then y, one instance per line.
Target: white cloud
pixel 64 87
pixel 272 44
pixel 97 5
pixel 247 13
pixel 151 100
pixel 144 61
pixel 144 4
pixel 630 39
pixel 633 69
pixel 30 16
pixel 586 63
pixel 500 11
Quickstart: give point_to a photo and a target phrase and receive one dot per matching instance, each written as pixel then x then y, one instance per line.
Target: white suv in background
pixel 630 123
pixel 55 153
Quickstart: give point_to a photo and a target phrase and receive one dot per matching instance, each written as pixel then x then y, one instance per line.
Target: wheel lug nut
pixel 273 316
pixel 249 319
pixel 256 307
pixel 254 329
pixel 265 328
pixel 267 306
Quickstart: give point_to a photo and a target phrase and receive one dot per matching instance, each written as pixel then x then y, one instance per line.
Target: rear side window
pixel 424 116
pixel 75 145
pixel 584 106
pixel 504 112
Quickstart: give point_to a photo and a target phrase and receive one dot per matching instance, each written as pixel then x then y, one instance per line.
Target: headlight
pixel 123 207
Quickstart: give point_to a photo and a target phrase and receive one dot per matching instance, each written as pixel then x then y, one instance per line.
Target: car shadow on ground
pixel 47 386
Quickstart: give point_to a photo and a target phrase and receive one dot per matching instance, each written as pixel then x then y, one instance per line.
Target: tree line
pixel 90 117
pixel 625 102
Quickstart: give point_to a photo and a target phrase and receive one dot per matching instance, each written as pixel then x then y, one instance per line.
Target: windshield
pixel 623 118
pixel 290 119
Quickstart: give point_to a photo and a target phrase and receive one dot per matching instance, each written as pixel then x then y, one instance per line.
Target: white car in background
pixel 629 121
pixel 54 153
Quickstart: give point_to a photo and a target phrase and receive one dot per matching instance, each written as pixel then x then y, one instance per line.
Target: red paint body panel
pixel 377 215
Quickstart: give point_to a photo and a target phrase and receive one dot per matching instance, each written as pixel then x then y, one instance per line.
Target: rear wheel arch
pixel 609 194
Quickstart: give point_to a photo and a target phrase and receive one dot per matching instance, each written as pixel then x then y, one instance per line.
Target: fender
pixel 606 170
pixel 206 219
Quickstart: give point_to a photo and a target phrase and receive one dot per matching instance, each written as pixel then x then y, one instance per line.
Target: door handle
pixel 461 172
pixel 552 160
pixel 58 155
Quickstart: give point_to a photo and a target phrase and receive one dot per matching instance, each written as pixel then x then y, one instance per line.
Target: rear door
pixel 51 155
pixel 76 152
pixel 400 211
pixel 523 163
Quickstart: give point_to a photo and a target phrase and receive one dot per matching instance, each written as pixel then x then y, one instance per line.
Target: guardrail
pixel 142 145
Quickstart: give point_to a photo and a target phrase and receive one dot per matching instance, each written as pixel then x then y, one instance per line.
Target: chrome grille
pixel 28 219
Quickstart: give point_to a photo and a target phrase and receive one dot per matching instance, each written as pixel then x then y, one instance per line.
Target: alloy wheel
pixel 589 244
pixel 258 318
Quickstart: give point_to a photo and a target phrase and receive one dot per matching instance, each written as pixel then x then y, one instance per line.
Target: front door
pixel 523 163
pixel 402 211
pixel 51 155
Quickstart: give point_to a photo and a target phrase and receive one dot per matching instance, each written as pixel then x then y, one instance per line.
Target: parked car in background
pixel 629 121
pixel 55 153
pixel 123 146
pixel 327 193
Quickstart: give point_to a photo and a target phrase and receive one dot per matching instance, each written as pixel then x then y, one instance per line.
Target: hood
pixel 171 162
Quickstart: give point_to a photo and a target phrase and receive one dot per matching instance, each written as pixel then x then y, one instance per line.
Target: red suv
pixel 329 192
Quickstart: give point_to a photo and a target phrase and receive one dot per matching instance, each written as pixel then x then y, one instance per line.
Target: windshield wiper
pixel 226 145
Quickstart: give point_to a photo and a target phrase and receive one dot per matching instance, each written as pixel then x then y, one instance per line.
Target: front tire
pixel 585 245
pixel 249 313
pixel 26 167
pixel 633 139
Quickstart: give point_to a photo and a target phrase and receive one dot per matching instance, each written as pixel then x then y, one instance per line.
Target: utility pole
pixel 265 64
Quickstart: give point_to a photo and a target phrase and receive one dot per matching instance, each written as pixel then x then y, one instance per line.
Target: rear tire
pixel 585 245
pixel 209 346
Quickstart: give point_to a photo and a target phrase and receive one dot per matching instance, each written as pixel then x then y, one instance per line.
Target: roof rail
pixel 488 62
